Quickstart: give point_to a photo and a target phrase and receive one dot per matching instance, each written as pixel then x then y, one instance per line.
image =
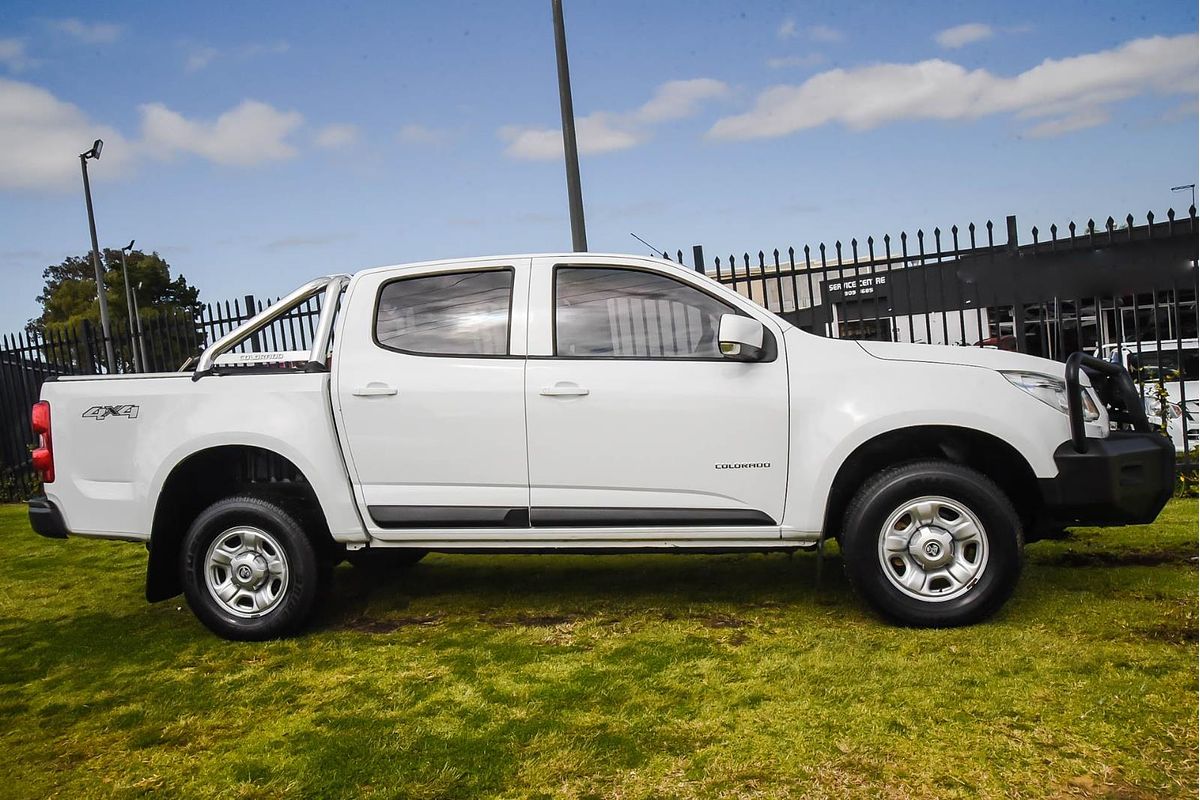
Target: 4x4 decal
pixel 104 412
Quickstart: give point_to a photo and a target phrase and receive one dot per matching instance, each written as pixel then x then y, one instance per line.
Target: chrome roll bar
pixel 331 285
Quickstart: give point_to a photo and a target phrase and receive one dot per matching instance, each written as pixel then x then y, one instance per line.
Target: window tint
pixel 462 313
pixel 605 312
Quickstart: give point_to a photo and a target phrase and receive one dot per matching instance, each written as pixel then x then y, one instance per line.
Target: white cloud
pixel 13 55
pixel 866 97
pixel 264 49
pixel 962 35
pixel 785 62
pixel 42 136
pixel 605 131
pixel 787 30
pixel 1087 118
pixel 251 133
pixel 679 99
pixel 594 134
pixel 824 33
pixel 200 58
pixel 336 136
pixel 89 32
pixel 416 133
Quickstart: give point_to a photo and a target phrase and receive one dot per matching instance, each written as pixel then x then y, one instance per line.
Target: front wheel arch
pixel 983 452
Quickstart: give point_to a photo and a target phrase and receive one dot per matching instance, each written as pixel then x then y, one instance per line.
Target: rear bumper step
pixel 46 520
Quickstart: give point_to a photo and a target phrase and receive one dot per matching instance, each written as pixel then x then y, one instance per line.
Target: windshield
pixel 1165 365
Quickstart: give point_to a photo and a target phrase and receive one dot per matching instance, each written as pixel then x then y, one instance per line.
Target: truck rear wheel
pixel 932 544
pixel 249 572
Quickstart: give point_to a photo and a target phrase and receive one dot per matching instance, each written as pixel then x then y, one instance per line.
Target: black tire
pixel 1000 540
pixel 384 559
pixel 293 598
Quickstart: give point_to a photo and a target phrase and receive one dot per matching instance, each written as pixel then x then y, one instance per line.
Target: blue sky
pixel 255 145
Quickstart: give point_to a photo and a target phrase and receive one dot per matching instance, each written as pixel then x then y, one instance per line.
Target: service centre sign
pixel 861 287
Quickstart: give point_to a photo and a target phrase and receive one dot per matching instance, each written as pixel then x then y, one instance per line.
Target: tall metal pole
pixel 137 361
pixel 140 336
pixel 106 332
pixel 570 149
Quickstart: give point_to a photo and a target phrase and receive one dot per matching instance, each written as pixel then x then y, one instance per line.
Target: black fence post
pixel 698 258
pixel 251 311
pixel 88 349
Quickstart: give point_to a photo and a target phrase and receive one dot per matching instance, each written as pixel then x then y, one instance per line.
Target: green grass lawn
pixel 621 676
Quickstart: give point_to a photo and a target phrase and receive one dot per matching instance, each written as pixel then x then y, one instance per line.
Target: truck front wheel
pixel 249 572
pixel 932 544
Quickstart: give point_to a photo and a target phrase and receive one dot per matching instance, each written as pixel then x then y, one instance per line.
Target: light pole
pixel 100 293
pixel 570 149
pixel 140 338
pixel 137 361
pixel 1191 186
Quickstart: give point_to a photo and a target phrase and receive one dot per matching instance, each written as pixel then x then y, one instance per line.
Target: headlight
pixel 1154 409
pixel 1052 391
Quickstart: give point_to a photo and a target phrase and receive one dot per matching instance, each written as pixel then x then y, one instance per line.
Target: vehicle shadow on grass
pixel 561 587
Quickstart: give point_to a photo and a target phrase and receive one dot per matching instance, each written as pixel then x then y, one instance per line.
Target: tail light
pixel 43 454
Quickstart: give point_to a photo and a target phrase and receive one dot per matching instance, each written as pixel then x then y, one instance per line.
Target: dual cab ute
pixel 586 404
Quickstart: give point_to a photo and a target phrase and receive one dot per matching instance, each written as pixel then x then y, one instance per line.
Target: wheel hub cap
pixel 248 570
pixel 931 547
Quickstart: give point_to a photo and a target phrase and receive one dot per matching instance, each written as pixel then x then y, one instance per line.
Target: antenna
pixel 657 252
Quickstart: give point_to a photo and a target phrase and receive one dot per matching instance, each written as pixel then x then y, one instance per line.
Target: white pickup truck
pixel 586 403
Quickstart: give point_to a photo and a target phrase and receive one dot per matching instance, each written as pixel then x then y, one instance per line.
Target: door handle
pixel 564 389
pixel 374 389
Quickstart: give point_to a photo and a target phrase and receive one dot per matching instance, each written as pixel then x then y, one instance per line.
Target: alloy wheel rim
pixel 933 549
pixel 246 571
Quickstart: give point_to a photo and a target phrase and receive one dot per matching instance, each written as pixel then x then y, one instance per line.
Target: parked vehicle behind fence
pixel 1167 373
pixel 583 403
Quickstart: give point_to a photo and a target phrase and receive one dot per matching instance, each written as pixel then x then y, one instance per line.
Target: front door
pixel 636 420
pixel 429 393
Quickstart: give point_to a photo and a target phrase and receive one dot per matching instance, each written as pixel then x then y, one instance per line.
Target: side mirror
pixel 740 338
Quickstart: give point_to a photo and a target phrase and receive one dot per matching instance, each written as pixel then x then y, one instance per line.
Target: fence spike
pixel 1035 234
pixel 806 251
pixel 761 259
pixel 791 252
pixel 776 253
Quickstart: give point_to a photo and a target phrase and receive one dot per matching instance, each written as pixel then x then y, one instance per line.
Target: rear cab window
pixel 466 313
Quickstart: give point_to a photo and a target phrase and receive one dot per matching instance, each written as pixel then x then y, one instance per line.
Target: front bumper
pixel 46 519
pixel 1125 479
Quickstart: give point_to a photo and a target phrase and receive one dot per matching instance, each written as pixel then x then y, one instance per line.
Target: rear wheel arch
pixel 981 451
pixel 206 476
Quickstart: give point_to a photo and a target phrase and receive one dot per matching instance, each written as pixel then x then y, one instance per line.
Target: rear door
pixel 429 396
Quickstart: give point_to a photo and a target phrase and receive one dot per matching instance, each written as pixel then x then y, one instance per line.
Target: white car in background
pixel 1176 364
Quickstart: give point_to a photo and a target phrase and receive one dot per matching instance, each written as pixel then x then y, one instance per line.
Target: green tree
pixel 69 299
